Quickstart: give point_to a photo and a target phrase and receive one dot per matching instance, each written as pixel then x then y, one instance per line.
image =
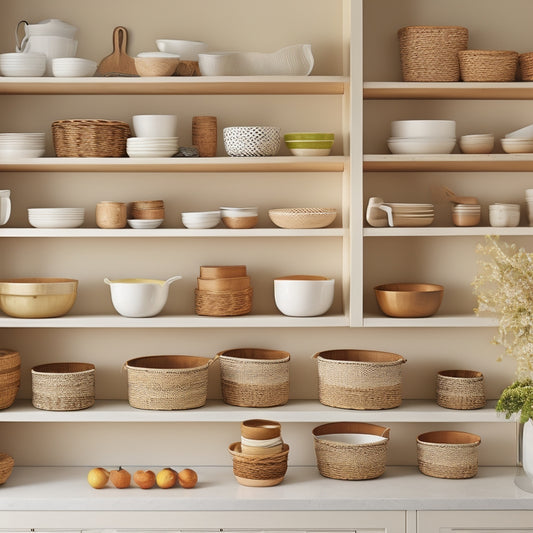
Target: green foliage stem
pixel 517 398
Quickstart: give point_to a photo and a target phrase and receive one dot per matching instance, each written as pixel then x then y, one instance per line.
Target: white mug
pixel 5 206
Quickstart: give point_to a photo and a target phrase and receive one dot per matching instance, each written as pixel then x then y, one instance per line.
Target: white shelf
pixel 436 321
pixel 217 411
pixel 303 489
pixel 176 164
pixel 444 231
pixel 176 321
pixel 171 232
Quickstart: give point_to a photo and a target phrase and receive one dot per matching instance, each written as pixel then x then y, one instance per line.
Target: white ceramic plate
pixel 141 223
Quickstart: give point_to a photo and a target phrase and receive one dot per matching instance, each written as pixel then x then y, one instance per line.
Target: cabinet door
pixel 475 522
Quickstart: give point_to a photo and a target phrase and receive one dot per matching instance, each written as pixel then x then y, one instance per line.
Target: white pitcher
pixel 49 27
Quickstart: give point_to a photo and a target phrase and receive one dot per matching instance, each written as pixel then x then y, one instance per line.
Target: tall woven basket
pixel 253 377
pixel 429 53
pixel 167 382
pixel 344 460
pixel 9 377
pixel 359 379
pixel 63 386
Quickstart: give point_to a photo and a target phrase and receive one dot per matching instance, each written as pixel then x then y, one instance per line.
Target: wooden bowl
pixel 224 284
pixel 6 467
pixel 156 66
pixel 409 300
pixel 229 271
pixel 260 429
pixel 240 222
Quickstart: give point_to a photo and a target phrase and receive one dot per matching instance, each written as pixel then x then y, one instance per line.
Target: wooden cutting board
pixel 118 62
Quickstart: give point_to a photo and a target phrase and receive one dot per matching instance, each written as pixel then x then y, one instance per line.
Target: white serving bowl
pixel 23 65
pixel 187 50
pixel 423 128
pixel 517 146
pixel 352 438
pixel 242 141
pixel 421 145
pixel 201 219
pixel 155 125
pixel 73 67
pixel 145 223
pixel 304 295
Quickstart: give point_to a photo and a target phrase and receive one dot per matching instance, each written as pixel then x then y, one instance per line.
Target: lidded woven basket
pixel 448 454
pixel 167 382
pixel 90 138
pixel 63 386
pixel 359 379
pixel 429 53
pixel 488 65
pixel 9 377
pixel 460 389
pixel 351 450
pixel 254 377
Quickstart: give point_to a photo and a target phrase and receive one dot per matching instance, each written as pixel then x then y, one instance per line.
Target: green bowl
pixel 310 136
pixel 309 144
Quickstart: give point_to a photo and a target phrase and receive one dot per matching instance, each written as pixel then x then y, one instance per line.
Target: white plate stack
pixel 411 215
pixel 21 145
pixel 422 137
pixel 56 217
pixel 152 146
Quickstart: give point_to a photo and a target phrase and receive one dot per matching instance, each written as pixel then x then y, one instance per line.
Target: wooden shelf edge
pixel 436 321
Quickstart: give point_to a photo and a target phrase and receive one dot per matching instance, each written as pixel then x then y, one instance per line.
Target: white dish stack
pixel 156 136
pixel 504 215
pixel 519 141
pixel 21 145
pixel 422 137
pixel 56 217
pixel 529 203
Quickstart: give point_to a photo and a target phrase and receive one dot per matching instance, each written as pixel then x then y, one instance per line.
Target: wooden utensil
pixel 118 62
pixel 448 194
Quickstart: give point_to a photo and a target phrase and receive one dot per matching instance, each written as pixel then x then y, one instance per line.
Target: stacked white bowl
pixel 519 141
pixel 56 217
pixel 155 136
pixel 504 215
pixel 422 137
pixel 529 202
pixel 31 64
pixel 200 219
pixel 21 145
pixel 73 67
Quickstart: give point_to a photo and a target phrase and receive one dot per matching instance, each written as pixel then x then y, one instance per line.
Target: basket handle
pixel 386 433
pixel 211 361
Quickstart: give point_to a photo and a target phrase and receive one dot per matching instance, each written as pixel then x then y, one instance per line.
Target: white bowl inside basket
pixel 352 438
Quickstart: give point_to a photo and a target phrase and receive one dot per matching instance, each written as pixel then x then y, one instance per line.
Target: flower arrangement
pixel 504 285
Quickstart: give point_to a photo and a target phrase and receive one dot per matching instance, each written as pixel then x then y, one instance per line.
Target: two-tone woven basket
pixel 525 66
pixel 90 138
pixel 488 65
pixel 345 460
pixel 223 303
pixel 9 377
pixel 63 386
pixel 429 53
pixel 359 379
pixel 448 454
pixel 254 377
pixel 167 382
pixel 6 467
pixel 460 389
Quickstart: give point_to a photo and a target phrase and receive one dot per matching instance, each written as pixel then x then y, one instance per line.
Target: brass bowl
pixel 409 300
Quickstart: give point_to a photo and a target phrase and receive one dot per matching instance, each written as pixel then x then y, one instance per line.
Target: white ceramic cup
pixel 504 215
pixel 5 206
pixel 155 125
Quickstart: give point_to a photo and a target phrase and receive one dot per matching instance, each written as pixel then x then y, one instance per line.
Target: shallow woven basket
pixel 9 377
pixel 253 377
pixel 167 382
pixel 359 379
pixel 448 454
pixel 302 217
pixel 460 389
pixel 63 386
pixel 223 303
pixel 259 470
pixel 525 64
pixel 6 467
pixel 245 141
pixel 429 53
pixel 341 460
pixel 90 138
pixel 488 65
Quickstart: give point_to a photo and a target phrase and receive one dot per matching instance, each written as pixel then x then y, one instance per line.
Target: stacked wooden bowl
pixel 147 209
pixel 223 291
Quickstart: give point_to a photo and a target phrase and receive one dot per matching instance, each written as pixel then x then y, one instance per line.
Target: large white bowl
pixel 73 67
pixel 201 219
pixel 155 125
pixel 187 50
pixel 24 65
pixel 423 128
pixel 304 295
pixel 421 145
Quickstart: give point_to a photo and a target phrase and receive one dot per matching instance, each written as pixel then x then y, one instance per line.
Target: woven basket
pixel 6 467
pixel 429 53
pixel 63 386
pixel 302 217
pixel 460 389
pixel 343 460
pixel 90 138
pixel 488 65
pixel 448 454
pixel 167 382
pixel 253 377
pixel 359 379
pixel 223 303
pixel 245 141
pixel 525 64
pixel 9 377
pixel 259 470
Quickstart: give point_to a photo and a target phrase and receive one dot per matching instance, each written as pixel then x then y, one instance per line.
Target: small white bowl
pixel 423 128
pixel 523 133
pixel 201 219
pixel 304 295
pixel 421 145
pixel 352 438
pixel 156 54
pixel 73 67
pixel 145 223
pixel 155 125
pixel 477 143
pixel 517 146
pixel 187 50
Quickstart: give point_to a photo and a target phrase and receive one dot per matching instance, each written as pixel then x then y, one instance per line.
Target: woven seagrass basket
pixel 9 377
pixel 460 389
pixel 6 467
pixel 429 53
pixel 63 386
pixel 167 382
pixel 448 454
pixel 90 138
pixel 253 377
pixel 223 303
pixel 525 64
pixel 488 65
pixel 302 217
pixel 259 470
pixel 341 457
pixel 359 379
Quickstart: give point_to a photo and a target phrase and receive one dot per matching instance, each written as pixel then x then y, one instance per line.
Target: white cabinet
pixel 478 522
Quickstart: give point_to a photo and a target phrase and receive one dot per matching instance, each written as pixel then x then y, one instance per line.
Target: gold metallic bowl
pixel 409 300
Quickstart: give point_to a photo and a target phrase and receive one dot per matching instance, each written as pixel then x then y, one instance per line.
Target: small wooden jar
pixel 111 215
